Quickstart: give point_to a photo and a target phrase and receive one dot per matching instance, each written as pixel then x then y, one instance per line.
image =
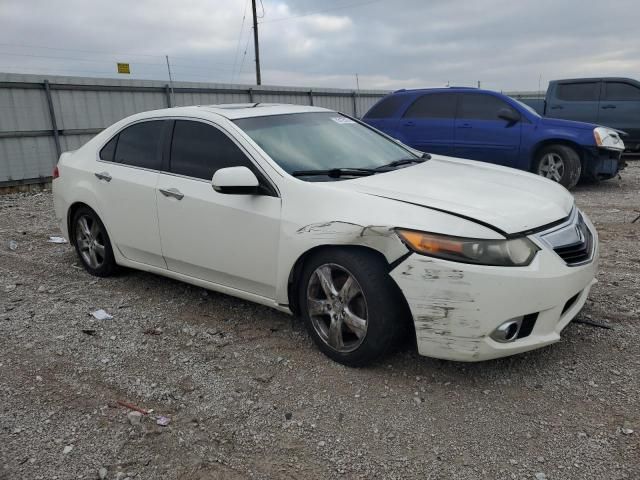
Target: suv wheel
pixel 560 164
pixel 351 307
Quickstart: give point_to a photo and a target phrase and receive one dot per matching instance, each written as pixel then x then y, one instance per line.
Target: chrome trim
pixel 572 231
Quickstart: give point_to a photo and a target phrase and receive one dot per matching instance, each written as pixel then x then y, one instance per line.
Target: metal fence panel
pixel 79 107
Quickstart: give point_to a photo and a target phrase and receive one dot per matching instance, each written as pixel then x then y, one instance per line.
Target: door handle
pixel 557 107
pixel 172 192
pixel 606 107
pixel 103 176
pixel 464 125
pixel 408 124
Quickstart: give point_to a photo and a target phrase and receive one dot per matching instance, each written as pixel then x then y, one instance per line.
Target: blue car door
pixel 427 124
pixel 480 134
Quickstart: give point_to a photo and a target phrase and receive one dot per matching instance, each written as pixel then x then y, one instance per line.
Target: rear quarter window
pixel 578 91
pixel 387 107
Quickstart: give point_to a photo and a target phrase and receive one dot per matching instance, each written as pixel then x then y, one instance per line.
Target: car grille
pixel 572 241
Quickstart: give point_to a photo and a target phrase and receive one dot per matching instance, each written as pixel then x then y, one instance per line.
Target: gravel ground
pixel 248 395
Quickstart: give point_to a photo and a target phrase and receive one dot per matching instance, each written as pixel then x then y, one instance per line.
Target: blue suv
pixel 491 127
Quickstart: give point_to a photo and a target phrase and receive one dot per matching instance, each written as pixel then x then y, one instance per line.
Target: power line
pixel 308 14
pixel 235 56
pixel 245 53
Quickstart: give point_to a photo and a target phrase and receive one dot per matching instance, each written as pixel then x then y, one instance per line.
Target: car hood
pixel 558 122
pixel 506 199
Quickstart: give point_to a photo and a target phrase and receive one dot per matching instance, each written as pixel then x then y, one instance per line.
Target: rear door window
pixel 481 107
pixel 385 108
pixel 578 91
pixel 139 145
pixel 621 91
pixel 433 105
pixel 198 150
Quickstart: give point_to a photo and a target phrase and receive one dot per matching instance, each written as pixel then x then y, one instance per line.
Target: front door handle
pixel 408 124
pixel 464 125
pixel 103 176
pixel 606 107
pixel 556 107
pixel 172 192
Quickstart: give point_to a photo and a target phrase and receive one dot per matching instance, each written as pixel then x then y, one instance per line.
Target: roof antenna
pixel 255 104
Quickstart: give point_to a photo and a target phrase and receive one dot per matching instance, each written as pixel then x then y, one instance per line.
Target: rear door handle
pixel 408 124
pixel 556 107
pixel 605 107
pixel 103 176
pixel 464 125
pixel 172 192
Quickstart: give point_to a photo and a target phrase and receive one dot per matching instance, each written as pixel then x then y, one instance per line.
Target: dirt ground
pixel 249 396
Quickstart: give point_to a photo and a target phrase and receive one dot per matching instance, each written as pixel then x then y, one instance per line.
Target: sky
pixel 514 45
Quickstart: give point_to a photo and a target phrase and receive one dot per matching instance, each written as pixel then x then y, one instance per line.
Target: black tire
pixel 384 305
pixel 567 167
pixel 101 248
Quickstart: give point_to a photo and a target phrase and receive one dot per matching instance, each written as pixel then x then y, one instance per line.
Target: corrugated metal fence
pixel 43 116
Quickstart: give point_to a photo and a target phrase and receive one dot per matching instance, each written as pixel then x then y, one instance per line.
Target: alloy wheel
pixel 551 166
pixel 337 307
pixel 90 240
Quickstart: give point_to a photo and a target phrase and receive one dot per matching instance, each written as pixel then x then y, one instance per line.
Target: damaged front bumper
pixel 601 163
pixel 456 307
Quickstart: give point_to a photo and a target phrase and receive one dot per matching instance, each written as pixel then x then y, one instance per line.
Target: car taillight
pixel 56 172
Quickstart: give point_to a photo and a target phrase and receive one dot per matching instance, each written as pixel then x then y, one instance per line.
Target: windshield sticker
pixel 342 120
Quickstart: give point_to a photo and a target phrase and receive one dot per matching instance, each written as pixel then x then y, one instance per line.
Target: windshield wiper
pixel 405 161
pixel 336 172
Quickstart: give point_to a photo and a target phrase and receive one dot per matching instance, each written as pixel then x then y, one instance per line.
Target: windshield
pixel 529 108
pixel 321 141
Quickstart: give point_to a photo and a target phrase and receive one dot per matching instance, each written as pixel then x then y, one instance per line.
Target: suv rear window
pixel 621 91
pixel 385 107
pixel 578 92
pixel 433 105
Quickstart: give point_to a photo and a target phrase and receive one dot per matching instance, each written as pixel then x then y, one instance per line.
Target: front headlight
pixel 607 138
pixel 516 252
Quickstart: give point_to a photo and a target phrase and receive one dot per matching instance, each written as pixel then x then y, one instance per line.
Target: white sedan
pixel 314 213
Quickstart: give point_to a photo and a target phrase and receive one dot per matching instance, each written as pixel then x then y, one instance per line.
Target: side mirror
pixel 511 116
pixel 235 181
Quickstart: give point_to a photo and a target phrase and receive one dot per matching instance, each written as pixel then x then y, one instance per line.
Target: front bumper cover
pixel 455 307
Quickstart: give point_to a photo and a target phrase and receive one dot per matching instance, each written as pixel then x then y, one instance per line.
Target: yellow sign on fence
pixel 123 68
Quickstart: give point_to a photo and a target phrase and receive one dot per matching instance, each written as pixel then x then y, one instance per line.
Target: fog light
pixel 507 331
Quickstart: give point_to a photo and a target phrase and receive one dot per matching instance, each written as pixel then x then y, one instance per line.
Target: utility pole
pixel 173 98
pixel 255 42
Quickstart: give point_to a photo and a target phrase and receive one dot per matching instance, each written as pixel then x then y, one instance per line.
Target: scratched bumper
pixel 456 306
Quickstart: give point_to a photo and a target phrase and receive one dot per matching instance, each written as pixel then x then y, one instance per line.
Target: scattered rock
pixel 626 431
pixel 67 449
pixel 321 443
pixel 135 418
pixel 102 473
pixel 540 476
pixel 288 416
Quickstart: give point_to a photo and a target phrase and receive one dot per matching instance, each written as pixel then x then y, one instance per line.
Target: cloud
pixel 504 44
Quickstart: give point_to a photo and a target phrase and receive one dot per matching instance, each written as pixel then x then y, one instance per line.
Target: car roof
pixel 452 89
pixel 233 111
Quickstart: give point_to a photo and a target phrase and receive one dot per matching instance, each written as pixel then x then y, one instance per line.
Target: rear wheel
pixel 559 163
pixel 92 243
pixel 351 307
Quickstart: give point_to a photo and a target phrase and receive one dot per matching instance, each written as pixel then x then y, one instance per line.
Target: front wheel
pixel 559 163
pixel 351 307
